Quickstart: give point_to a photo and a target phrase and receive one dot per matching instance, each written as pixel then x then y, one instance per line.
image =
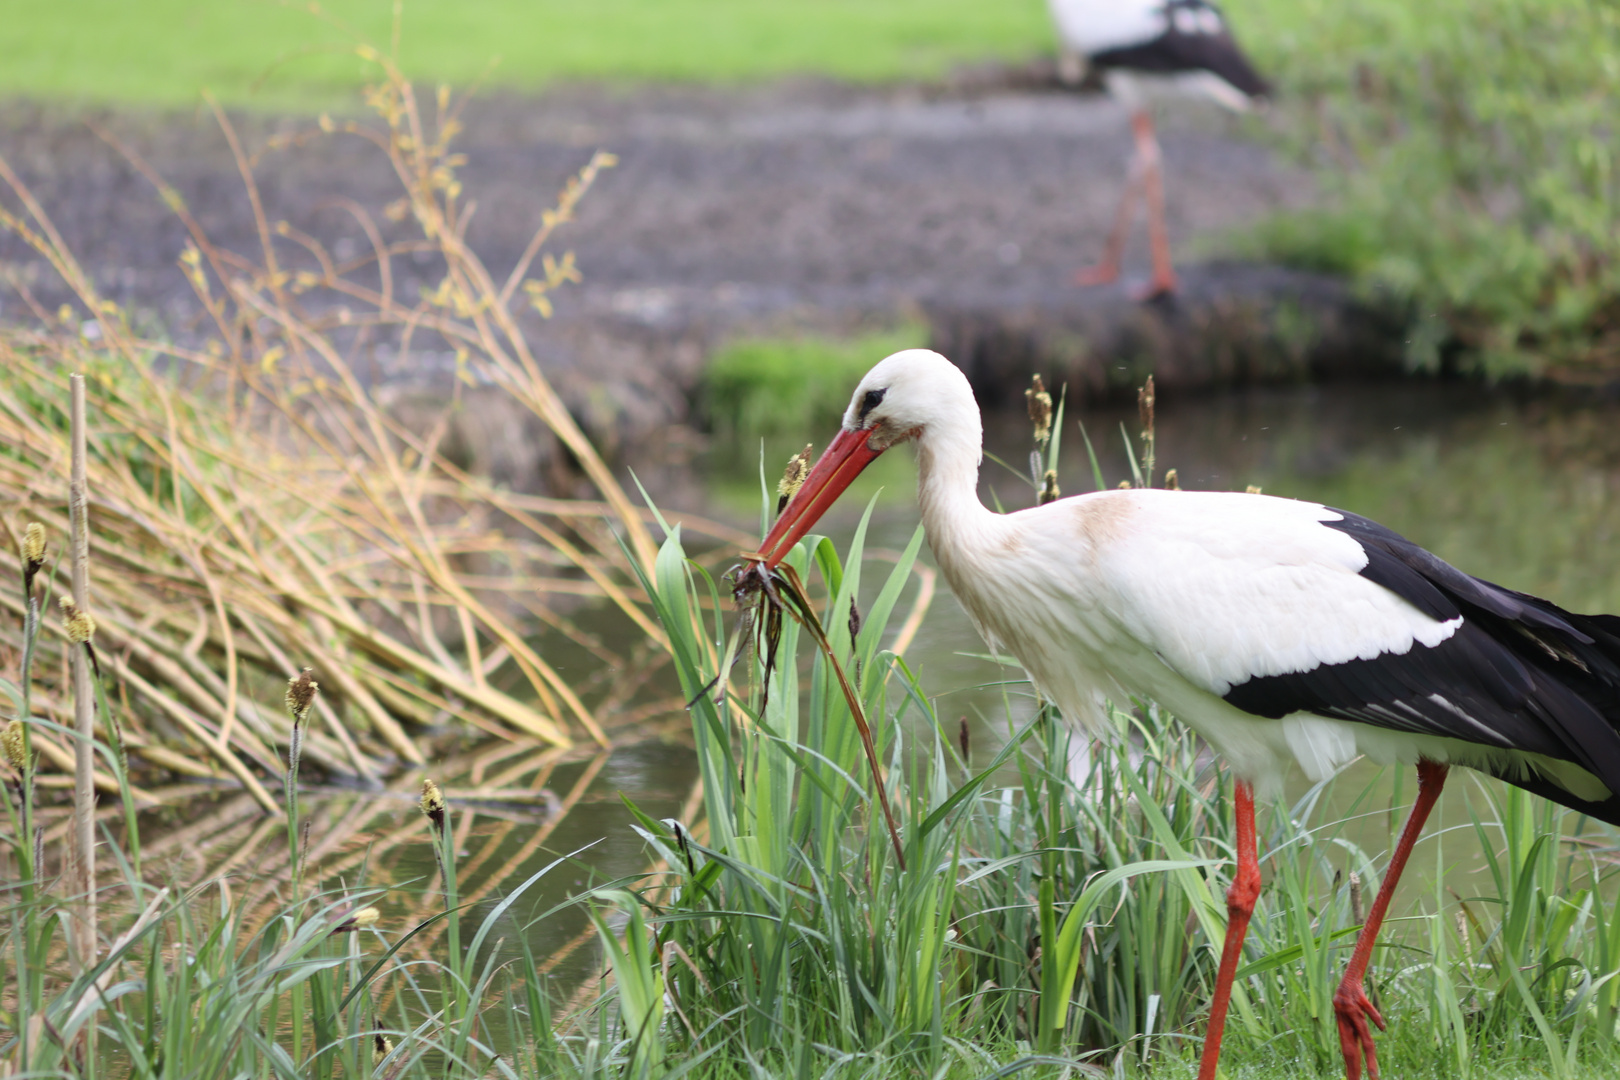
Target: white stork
pixel 1138 45
pixel 1286 633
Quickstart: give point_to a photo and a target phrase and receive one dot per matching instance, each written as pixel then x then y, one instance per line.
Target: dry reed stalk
pixel 83 878
pixel 300 523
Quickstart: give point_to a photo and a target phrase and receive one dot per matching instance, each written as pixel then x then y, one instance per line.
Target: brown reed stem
pixel 84 720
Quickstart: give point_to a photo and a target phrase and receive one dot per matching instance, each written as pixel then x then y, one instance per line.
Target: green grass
pixel 761 386
pixel 1467 160
pixel 162 52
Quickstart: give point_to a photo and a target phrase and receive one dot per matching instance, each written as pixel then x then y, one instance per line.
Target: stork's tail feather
pixel 1577 659
pixel 1607 810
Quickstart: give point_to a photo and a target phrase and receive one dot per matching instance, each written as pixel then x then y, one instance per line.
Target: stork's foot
pixel 1355 1035
pixel 1104 273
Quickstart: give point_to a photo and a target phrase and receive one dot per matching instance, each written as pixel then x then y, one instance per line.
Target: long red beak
pixel 836 469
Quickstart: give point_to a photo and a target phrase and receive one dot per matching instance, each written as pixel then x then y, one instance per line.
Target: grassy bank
pixel 266 54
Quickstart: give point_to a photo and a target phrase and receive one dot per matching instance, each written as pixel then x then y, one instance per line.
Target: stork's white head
pixel 916 394
pixel 908 394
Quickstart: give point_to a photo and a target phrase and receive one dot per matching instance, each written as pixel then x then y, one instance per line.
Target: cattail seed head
pixel 34 545
pixel 1040 410
pixel 301 690
pixel 798 467
pixel 80 626
pixel 854 620
pixel 962 737
pixel 433 803
pixel 1144 406
pixel 1355 898
pixel 1172 482
pixel 11 743
pixel 1049 488
pixel 384 1045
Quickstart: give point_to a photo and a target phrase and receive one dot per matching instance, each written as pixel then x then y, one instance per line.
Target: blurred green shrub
pixel 756 387
pixel 1468 155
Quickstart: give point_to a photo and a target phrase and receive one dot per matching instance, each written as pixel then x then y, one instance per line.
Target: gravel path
pixel 802 205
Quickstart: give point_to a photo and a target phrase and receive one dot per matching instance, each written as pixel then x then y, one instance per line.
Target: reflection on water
pixel 499 855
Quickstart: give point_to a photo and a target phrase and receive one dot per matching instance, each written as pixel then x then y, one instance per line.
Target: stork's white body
pixel 1088 27
pixel 1180 596
pixel 1177 596
pixel 1148 49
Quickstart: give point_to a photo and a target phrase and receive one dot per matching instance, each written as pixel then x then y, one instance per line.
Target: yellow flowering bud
pixel 11 743
pixel 34 544
pixel 80 626
pixel 433 803
pixel 1040 410
pixel 301 691
pixel 1049 488
pixel 359 920
pixel 798 467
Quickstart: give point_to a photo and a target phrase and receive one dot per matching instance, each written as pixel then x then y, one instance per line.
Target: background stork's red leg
pixel 1350 1001
pixel 1107 270
pixel 1240 898
pixel 1147 151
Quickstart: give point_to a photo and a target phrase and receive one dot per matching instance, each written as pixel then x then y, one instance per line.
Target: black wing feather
pixel 1176 50
pixel 1519 673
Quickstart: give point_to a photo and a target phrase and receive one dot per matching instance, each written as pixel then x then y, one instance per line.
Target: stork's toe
pixel 1355 1034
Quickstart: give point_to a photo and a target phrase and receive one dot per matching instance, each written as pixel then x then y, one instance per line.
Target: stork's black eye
pixel 871 401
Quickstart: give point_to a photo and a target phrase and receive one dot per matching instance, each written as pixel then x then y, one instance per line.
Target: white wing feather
pixel 1224 587
pixel 1093 26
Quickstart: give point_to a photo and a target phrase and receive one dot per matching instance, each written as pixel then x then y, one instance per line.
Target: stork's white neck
pixel 948 454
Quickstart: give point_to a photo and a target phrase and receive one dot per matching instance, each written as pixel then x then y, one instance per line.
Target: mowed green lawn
pixel 245 51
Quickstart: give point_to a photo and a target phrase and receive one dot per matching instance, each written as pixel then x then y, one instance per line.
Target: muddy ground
pixel 761 210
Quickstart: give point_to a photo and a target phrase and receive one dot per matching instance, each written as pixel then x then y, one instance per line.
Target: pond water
pixel 1521 491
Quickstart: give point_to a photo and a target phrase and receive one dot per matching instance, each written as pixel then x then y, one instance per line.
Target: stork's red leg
pixel 1107 270
pixel 1147 150
pixel 1240 898
pixel 1350 1001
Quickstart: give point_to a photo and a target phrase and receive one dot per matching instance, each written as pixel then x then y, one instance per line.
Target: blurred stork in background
pixel 1140 47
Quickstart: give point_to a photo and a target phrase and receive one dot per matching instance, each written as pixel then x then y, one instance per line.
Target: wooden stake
pixel 83 880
